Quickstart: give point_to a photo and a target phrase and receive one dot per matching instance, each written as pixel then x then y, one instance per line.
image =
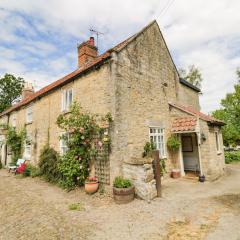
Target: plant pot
pixel 201 178
pixel 91 187
pixel 123 195
pixel 176 173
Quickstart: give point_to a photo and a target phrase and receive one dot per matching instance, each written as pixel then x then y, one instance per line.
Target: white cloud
pixel 200 32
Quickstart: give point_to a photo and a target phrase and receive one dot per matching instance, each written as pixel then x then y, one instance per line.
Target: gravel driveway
pixel 33 209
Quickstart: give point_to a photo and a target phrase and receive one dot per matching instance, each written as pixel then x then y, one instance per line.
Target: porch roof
pixel 184 124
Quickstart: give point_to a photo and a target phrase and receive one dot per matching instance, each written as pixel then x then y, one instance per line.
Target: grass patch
pixel 76 207
pixel 232 157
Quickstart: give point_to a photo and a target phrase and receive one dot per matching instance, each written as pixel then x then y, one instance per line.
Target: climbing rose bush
pixel 84 135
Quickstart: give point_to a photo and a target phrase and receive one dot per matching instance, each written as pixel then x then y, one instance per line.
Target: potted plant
pixel 173 144
pixel 91 185
pixel 123 190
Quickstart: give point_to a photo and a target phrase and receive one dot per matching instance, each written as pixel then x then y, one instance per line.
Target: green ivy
pixel 15 140
pixel 148 148
pixel 85 136
pixel 173 143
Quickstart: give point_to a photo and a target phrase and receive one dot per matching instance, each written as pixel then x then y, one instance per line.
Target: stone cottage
pixel 138 83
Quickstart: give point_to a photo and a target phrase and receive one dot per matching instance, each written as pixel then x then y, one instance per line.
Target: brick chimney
pixel 87 51
pixel 27 90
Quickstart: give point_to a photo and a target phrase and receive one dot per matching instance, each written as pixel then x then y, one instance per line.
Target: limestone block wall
pixel 213 162
pixel 188 97
pixel 143 179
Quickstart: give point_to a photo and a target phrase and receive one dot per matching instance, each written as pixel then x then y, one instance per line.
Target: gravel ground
pixel 33 209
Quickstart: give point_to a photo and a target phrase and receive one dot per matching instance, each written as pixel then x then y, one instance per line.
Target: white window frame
pixel 28 147
pixel 67 99
pixel 157 135
pixel 217 141
pixel 14 120
pixel 29 114
pixel 63 143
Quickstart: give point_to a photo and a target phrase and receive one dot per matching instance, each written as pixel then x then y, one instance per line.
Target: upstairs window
pixel 157 137
pixel 29 115
pixel 67 99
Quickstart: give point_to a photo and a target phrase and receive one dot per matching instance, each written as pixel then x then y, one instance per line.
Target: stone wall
pixel 143 179
pixel 188 97
pixel 213 162
pixel 144 82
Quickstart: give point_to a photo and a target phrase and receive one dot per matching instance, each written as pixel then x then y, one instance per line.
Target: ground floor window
pixel 63 143
pixel 157 137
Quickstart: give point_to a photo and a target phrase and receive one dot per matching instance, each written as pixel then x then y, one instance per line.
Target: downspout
pixel 199 146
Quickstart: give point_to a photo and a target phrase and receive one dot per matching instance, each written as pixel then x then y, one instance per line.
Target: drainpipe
pixel 199 147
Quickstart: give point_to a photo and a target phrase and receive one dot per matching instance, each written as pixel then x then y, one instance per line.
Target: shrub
pixel 74 172
pixel 15 140
pixel 173 143
pixel 148 148
pixel 1 165
pixel 120 182
pixel 48 164
pixel 85 137
pixel 232 157
pixel 27 171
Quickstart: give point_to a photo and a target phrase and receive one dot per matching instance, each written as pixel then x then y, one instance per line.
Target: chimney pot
pixel 87 51
pixel 27 90
pixel 91 41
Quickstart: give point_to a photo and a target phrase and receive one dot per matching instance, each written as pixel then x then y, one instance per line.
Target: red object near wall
pixel 21 168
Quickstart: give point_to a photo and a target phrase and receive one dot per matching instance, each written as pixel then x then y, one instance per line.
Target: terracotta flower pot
pixel 91 186
pixel 175 173
pixel 123 195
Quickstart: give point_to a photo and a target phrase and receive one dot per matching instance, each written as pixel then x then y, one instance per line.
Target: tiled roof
pixel 99 60
pixel 184 124
pixel 201 115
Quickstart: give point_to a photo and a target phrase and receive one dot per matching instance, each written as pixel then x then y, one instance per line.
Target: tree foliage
pixel 10 89
pixel 230 114
pixel 193 75
pixel 238 74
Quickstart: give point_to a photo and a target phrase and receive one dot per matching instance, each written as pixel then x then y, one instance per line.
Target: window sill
pixel 28 123
pixel 65 111
pixel 219 153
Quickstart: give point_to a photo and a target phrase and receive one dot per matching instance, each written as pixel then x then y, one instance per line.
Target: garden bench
pixel 14 167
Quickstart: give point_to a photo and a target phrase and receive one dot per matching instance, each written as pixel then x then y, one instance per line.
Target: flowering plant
pixel 83 130
pixel 92 179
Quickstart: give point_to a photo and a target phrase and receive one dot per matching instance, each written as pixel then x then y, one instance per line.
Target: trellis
pixel 102 163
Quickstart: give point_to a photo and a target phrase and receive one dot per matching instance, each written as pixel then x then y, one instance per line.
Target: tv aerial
pixel 97 33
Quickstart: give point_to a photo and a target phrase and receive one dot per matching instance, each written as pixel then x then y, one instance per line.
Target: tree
pixel 193 75
pixel 238 74
pixel 230 114
pixel 10 89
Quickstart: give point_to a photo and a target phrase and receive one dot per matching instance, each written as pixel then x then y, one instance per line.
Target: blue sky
pixel 38 38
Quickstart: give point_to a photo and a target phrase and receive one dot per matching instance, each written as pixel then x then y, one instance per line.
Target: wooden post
pixel 157 172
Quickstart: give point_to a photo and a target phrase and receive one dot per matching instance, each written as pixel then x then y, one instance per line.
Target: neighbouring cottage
pixel 138 83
